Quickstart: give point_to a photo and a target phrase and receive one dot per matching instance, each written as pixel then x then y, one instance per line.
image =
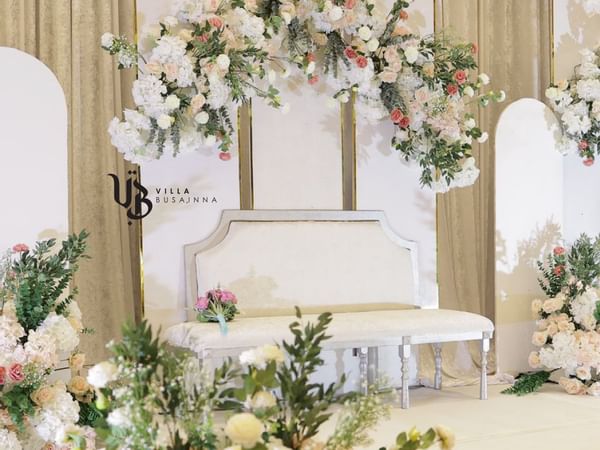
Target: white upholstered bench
pixel 349 263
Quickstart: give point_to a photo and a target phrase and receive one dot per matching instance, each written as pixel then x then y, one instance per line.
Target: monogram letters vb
pixel 137 206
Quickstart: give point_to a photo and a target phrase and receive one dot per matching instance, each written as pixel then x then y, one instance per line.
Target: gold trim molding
pixel 348 135
pixel 246 175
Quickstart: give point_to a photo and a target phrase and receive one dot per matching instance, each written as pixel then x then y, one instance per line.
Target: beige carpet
pixel 548 420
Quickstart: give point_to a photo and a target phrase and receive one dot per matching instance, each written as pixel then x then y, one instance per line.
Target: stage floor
pixel 548 420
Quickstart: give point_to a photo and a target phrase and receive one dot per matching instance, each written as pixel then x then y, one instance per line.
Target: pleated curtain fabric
pixel 65 35
pixel 514 39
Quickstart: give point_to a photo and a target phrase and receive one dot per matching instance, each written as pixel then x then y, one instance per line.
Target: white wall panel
pixel 33 151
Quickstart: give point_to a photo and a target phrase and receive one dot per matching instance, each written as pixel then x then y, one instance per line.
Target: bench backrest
pixel 318 260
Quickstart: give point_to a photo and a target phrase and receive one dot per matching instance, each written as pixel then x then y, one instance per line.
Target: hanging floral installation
pixel 210 55
pixel 577 102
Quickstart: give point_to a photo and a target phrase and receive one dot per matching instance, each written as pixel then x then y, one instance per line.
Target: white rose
pixel 468 91
pixel 107 40
pixel 287 17
pixel 165 121
pixel 594 389
pixel 411 53
pixel 572 385
pixel 365 33
pixel 335 13
pixel 373 45
pixel 311 67
pixel 272 353
pixel 202 117
pixel 244 429
pixel 263 400
pixel 118 418
pixel 470 123
pixel 102 374
pixel 484 78
pixel 484 137
pixel 223 61
pixel 170 21
pixel 583 373
pixel 552 93
pixel 172 102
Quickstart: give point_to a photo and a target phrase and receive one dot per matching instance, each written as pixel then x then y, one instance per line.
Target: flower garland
pixel 577 101
pixel 37 326
pixel 568 322
pixel 211 54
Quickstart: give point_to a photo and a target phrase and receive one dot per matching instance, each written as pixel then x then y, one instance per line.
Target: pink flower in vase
pixel 201 303
pixel 559 251
pixel 15 373
pixel 228 297
pixel 20 248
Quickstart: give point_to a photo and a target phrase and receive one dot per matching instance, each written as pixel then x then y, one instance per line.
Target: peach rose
pixel 78 385
pixel 594 389
pixel 534 360
pixel 197 103
pixel 572 385
pixel 429 69
pixel 43 395
pixel 539 338
pixel 583 373
pixel 400 30
pixel 77 361
pixel 153 67
pixel 552 305
pixel 387 76
pixel 536 306
pixel 171 70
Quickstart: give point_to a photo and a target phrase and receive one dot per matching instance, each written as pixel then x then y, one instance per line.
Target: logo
pixel 137 206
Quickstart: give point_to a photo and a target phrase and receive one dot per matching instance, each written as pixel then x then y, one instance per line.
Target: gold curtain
pixel 514 38
pixel 65 35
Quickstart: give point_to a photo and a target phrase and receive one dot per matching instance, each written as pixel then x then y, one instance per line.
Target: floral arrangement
pixel 212 54
pixel 577 101
pixel 568 322
pixel 153 398
pixel 217 305
pixel 38 326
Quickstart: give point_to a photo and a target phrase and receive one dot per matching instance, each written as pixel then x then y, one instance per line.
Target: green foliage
pixel 334 53
pixel 41 277
pixel 299 41
pixel 306 403
pixel 414 440
pixel 88 414
pixel 18 403
pixel 581 262
pixel 527 383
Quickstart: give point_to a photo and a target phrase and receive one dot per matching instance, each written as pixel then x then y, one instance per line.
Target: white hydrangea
pixel 188 10
pixel 576 119
pixel 9 440
pixel 148 93
pixel 243 23
pixel 119 418
pixel 561 354
pixel 61 411
pixel 468 174
pixel 260 356
pixel 10 332
pixel 41 349
pixel 169 49
pixel 583 308
pixel 59 328
pixel 102 374
pixel 218 95
pixel 588 90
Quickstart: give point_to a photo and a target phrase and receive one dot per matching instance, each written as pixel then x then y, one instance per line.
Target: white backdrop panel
pixel 33 151
pixel 529 217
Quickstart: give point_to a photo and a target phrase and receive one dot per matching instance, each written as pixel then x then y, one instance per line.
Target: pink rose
pixel 474 48
pixel 588 162
pixel 583 145
pixel 202 303
pixel 313 80
pixel 171 70
pixel 350 53
pixel 310 57
pixel 2 376
pixel 396 115
pixel 452 89
pixel 404 122
pixel 362 62
pixel 403 15
pixel 224 156
pixel 559 270
pixel 559 251
pixel 15 372
pixel 460 76
pixel 203 37
pixel 216 22
pixel 20 248
pixel 349 4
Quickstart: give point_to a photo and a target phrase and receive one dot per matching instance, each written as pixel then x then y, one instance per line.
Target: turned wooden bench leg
pixel 485 348
pixel 405 357
pixel 363 367
pixel 437 380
